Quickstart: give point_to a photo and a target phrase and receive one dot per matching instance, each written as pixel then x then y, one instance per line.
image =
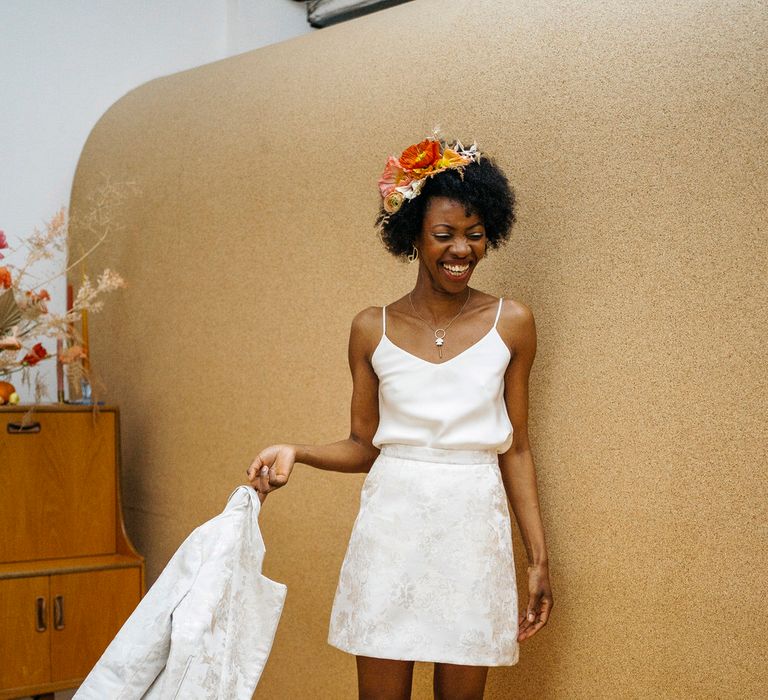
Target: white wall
pixel 254 23
pixel 62 64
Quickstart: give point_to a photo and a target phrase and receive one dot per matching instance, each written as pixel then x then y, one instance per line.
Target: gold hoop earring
pixel 414 256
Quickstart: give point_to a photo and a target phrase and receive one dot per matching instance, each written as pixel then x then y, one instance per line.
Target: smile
pixel 454 271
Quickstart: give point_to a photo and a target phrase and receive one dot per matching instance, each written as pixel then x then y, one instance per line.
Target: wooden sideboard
pixel 69 576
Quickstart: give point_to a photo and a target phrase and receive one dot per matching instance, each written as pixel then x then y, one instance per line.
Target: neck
pixel 436 301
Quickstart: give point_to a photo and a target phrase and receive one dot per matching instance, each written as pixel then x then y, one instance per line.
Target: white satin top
pixel 457 404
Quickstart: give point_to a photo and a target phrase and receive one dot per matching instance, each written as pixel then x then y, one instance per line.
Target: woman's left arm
pixel 518 328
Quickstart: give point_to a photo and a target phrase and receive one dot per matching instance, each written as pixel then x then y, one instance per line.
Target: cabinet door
pixel 87 610
pixel 24 632
pixel 57 486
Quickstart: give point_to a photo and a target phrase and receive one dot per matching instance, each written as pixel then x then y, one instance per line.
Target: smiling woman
pixel 440 424
pixel 455 239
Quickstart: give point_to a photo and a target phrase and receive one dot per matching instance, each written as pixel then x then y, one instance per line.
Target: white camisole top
pixel 457 404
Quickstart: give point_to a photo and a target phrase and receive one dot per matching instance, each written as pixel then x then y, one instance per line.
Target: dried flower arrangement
pixel 24 315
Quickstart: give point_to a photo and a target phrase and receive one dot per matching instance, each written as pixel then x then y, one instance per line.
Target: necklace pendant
pixel 439 332
pixel 439 340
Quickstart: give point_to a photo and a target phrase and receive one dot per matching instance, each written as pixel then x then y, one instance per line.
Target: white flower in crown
pixel 412 189
pixel 472 152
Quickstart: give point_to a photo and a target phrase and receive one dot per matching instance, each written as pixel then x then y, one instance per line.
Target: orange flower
pixel 451 159
pixel 5 277
pixel 421 155
pixel 38 353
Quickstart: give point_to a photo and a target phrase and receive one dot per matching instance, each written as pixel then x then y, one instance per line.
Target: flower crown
pixel 404 177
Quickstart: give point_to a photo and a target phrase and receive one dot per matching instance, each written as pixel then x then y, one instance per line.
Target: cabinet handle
pixel 41 619
pixel 23 428
pixel 58 612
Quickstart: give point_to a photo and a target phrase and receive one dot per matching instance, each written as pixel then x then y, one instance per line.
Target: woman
pixel 439 423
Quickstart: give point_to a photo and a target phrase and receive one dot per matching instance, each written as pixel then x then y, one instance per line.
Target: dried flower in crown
pixel 404 177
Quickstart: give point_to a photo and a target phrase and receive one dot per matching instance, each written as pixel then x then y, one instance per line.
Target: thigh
pixel 455 682
pixel 384 679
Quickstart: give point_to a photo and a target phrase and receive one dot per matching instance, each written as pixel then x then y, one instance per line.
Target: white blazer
pixel 204 630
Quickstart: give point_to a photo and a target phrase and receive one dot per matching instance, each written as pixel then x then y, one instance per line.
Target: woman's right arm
pixel 273 465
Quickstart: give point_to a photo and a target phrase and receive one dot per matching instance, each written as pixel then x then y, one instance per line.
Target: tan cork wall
pixel 634 134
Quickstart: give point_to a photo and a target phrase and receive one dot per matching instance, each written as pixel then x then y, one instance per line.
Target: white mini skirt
pixel 429 572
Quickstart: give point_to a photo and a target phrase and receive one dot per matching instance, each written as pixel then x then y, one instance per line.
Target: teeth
pixel 458 269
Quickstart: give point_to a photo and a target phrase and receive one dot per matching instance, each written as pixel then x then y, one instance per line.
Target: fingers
pixel 546 607
pixel 527 616
pixel 263 479
pixel 277 478
pixel 530 631
pixel 271 469
pixel 253 469
pixel 280 471
pixel 528 624
pixel 257 475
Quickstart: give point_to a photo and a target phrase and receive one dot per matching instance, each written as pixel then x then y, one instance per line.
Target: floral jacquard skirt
pixel 429 572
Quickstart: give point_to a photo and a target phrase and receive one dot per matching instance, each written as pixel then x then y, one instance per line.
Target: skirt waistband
pixel 438 454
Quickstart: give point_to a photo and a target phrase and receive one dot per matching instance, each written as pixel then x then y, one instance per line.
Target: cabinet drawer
pixel 57 486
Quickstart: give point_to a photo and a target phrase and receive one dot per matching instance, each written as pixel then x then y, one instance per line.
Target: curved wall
pixel 635 138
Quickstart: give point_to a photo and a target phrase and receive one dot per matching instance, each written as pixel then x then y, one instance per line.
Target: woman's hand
pixel 271 468
pixel 540 602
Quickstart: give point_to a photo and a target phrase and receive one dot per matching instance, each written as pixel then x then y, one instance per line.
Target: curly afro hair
pixel 484 190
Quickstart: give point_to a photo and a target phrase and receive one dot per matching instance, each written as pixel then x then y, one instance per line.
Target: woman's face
pixel 451 243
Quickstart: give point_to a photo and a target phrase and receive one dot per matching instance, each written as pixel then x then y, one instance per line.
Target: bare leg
pixel 384 679
pixel 454 682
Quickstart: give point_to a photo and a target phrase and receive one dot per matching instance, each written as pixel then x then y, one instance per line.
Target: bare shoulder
pixel 516 312
pixel 367 320
pixel 366 329
pixel 517 326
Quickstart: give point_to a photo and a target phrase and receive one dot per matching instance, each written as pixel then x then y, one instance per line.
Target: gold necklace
pixel 440 339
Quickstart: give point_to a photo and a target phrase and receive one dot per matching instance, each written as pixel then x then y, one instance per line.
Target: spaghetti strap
pixel 383 320
pixel 498 313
